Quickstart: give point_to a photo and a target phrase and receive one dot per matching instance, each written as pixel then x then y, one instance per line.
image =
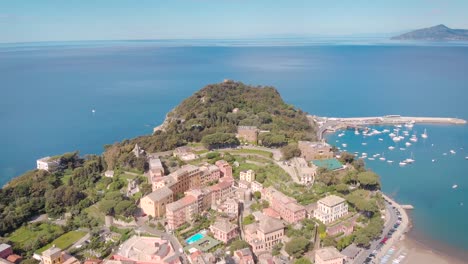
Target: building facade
pixel 224 231
pixel 329 255
pixel 287 207
pixel 181 211
pixel 247 175
pixel 225 168
pixel 154 204
pixel 248 133
pixel 330 208
pixel 209 173
pixel 264 234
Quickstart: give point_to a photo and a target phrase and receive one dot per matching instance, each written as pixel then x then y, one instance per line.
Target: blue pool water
pixel 194 238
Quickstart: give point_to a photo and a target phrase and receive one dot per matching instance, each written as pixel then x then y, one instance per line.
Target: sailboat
pixel 424 135
pixel 410 160
pixel 382 158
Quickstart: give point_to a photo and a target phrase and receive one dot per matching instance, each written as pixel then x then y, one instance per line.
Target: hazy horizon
pixel 52 20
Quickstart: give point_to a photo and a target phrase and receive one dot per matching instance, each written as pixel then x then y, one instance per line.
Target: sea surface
pixel 48 92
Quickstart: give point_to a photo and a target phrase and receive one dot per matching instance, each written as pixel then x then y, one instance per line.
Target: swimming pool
pixel 194 238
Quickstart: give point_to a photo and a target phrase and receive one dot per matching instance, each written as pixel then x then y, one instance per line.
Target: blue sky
pixel 63 20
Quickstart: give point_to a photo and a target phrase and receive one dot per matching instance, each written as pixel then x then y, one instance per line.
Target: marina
pixel 333 124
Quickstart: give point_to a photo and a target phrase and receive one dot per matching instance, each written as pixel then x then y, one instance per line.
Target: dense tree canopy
pixel 220 108
pixel 297 246
pixel 290 151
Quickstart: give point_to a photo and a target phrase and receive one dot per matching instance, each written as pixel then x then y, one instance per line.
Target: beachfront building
pixel 48 164
pixel 225 168
pixel 287 207
pixel 224 231
pixel 330 209
pixel 315 150
pixel 185 153
pixel 264 234
pixel 154 204
pixel 329 255
pixel 146 250
pixel 248 133
pixel 209 173
pixel 247 175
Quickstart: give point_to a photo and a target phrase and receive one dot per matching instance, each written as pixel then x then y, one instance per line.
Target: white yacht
pixel 390 161
pixel 371 158
pixel 382 158
pixel 344 145
pixel 424 135
pixel 356 132
pixel 409 125
pixel 341 134
pixel 364 143
pixel 407 144
pixel 380 139
pixel 452 151
pixel 391 135
pixel 454 186
pixel 433 160
pixel 402 149
pixel 385 131
pixel 402 163
pixel 414 138
pixel 391 148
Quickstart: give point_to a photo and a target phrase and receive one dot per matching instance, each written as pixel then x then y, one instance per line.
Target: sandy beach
pixel 416 253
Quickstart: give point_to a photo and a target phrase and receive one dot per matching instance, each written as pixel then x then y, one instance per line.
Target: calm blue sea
pixel 48 92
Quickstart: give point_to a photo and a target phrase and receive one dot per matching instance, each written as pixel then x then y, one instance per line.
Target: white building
pixel 330 209
pixel 248 175
pixel 306 173
pixel 47 163
pixel 329 255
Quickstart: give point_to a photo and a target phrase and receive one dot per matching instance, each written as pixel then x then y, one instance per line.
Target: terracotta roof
pixel 14 258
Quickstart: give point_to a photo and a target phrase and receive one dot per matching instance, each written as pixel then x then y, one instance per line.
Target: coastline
pixel 418 248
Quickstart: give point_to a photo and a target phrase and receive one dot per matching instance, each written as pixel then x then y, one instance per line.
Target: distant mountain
pixel 437 33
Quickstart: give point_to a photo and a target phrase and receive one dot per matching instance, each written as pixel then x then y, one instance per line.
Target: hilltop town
pixel 245 189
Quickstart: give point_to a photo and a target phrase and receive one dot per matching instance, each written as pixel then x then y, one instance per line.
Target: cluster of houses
pixel 192 190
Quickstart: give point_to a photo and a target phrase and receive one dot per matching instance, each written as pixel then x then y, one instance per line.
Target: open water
pixel 48 92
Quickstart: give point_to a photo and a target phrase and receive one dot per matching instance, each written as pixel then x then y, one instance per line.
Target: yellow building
pixel 248 175
pixel 154 204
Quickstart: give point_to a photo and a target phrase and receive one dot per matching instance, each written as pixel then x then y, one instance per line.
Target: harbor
pixel 333 124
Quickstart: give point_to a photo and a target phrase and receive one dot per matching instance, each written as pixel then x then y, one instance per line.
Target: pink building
pixel 224 231
pixel 287 207
pixel 226 169
pixel 5 251
pixel 181 211
pixel 222 190
pixel 244 256
pixel 210 173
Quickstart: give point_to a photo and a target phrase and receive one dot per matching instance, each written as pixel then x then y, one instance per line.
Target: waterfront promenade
pixel 333 124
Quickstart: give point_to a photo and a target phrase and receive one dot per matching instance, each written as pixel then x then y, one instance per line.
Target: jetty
pixel 333 124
